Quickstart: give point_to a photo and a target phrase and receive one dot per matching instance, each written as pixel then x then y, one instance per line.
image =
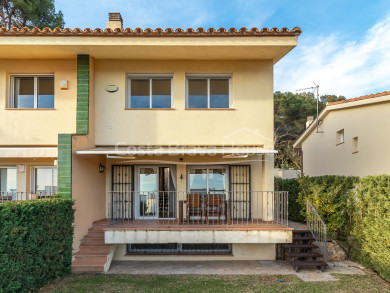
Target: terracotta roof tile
pixel 360 98
pixel 148 32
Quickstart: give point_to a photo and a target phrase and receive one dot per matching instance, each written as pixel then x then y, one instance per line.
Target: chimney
pixel 114 20
pixel 309 121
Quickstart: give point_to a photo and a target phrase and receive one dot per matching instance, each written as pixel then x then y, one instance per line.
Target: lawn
pixel 213 283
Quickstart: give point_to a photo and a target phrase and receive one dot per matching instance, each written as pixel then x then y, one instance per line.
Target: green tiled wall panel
pixel 64 165
pixel 82 123
pixel 82 116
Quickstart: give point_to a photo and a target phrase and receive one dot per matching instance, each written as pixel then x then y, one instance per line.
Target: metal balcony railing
pixel 197 208
pixel 317 228
pixel 6 196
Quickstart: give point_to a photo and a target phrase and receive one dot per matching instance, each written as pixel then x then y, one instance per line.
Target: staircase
pixel 94 255
pixel 301 252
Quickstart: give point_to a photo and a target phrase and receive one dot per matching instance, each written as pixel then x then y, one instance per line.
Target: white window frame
pixel 11 101
pixel 33 177
pixel 208 77
pixel 11 167
pixel 340 136
pixel 149 77
pixel 355 145
pixel 207 177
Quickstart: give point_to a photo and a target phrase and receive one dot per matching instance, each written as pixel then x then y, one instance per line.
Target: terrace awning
pixel 177 150
pixel 28 152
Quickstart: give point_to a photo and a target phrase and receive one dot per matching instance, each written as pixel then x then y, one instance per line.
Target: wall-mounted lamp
pixel 181 176
pixel 101 168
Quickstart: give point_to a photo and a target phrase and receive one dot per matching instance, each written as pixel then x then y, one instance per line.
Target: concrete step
pixel 94 249
pixel 87 268
pixel 93 241
pixel 95 234
pixel 91 258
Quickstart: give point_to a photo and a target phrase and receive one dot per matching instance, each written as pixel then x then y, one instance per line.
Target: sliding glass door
pixel 45 181
pixel 208 180
pixel 156 192
pixel 7 180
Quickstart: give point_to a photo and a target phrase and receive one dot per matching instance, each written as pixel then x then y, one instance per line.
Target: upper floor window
pixel 149 91
pixel 355 144
pixel 340 136
pixel 208 91
pixel 32 91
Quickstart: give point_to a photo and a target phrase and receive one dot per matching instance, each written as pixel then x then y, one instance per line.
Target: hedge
pixel 355 210
pixel 370 233
pixel 294 207
pixel 35 243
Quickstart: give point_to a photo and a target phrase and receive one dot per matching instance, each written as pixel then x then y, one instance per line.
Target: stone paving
pixel 233 268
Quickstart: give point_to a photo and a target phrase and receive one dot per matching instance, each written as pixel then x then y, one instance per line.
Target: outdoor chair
pixel 194 206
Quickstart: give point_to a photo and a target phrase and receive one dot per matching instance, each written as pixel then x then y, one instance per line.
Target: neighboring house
pixel 353 138
pixel 162 137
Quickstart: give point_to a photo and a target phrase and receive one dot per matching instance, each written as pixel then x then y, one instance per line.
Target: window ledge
pixel 35 109
pixel 339 143
pixel 210 109
pixel 150 109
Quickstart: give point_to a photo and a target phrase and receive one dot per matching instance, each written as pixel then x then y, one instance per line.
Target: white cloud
pixel 339 66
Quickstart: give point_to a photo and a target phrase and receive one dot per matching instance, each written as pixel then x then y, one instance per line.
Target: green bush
pixel 330 197
pixel 35 243
pixel 293 188
pixel 370 234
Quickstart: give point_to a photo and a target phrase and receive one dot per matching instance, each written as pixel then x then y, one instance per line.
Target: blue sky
pixel 344 47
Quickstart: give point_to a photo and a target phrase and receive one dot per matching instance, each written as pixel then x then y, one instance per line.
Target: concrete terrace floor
pixel 233 268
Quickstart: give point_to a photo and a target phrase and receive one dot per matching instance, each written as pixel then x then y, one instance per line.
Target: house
pixel 351 140
pixel 162 137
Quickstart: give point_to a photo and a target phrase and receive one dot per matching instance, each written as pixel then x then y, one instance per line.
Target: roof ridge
pixel 157 32
pixel 377 95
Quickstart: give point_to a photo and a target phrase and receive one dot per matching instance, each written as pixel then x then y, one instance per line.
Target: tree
pixel 290 114
pixel 30 13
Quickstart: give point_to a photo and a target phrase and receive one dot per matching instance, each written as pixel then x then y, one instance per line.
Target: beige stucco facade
pixel 38 127
pixel 249 121
pixel 368 120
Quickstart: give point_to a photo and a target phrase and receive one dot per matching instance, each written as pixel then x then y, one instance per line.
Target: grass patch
pixel 91 283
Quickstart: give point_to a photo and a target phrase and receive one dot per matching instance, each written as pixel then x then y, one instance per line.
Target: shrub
pixel 330 195
pixel 35 243
pixel 293 188
pixel 370 235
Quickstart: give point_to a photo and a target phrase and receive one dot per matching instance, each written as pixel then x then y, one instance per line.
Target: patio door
pixel 156 192
pixel 240 192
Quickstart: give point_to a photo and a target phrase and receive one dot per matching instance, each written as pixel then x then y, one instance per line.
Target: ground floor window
pixel 45 181
pixel 7 179
pixel 180 248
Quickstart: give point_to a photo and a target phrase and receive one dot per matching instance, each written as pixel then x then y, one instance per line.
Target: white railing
pixel 6 196
pixel 197 208
pixel 317 228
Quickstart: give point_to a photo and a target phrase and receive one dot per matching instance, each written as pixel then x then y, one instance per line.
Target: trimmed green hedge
pixel 370 233
pixel 356 210
pixel 35 243
pixel 294 207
